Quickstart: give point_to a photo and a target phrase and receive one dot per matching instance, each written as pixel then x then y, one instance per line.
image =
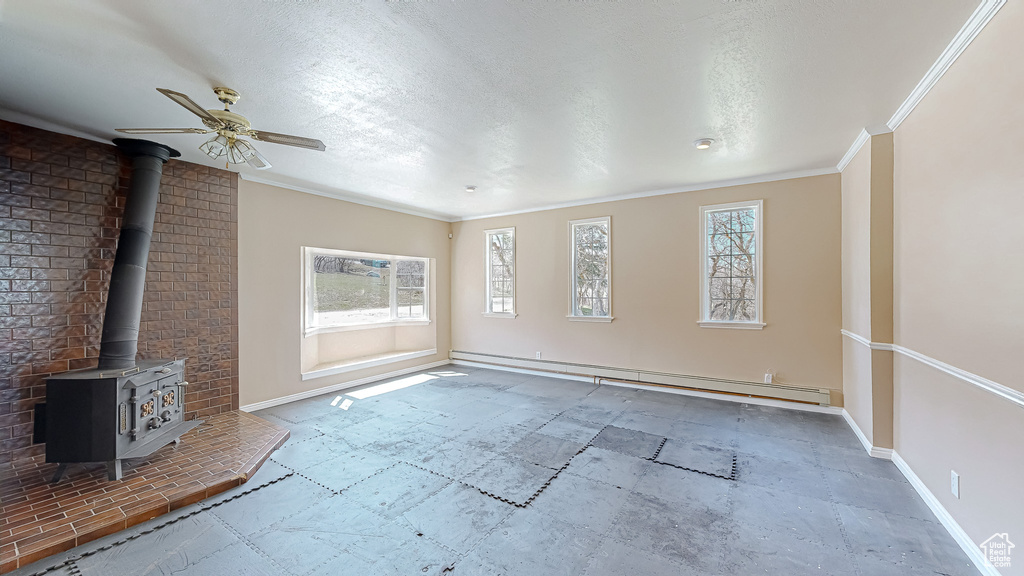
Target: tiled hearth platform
pixel 38 518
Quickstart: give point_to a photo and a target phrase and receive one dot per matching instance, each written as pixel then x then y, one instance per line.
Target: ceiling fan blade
pixel 191 106
pixel 163 130
pixel 275 138
pixel 257 160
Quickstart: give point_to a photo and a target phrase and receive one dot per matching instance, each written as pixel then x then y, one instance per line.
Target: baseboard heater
pixel 777 391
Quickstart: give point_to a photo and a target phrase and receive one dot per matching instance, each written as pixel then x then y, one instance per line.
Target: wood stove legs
pixel 113 471
pixel 59 474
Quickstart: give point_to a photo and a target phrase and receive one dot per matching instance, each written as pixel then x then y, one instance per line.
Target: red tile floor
pixel 38 518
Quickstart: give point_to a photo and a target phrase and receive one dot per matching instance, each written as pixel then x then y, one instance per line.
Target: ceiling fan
pixel 228 127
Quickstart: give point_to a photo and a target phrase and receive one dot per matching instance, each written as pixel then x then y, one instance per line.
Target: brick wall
pixel 61 200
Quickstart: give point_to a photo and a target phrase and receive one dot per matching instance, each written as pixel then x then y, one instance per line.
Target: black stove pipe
pixel 120 341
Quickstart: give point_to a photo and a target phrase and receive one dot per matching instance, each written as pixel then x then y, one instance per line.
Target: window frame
pixel 309 326
pixel 572 316
pixel 488 299
pixel 705 288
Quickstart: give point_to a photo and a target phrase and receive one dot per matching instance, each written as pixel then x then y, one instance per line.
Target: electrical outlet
pixel 768 377
pixel 538 355
pixel 954 483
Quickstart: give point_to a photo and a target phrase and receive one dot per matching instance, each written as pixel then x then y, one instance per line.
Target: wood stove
pixel 121 409
pixel 109 415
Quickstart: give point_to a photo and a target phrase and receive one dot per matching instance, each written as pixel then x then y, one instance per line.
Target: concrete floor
pixel 469 471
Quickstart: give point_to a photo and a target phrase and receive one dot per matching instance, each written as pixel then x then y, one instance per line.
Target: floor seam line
pixel 244 540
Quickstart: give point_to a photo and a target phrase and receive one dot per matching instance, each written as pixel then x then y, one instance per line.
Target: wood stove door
pixel 154 402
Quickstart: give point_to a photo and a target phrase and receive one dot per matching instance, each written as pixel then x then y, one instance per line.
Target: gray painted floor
pixel 481 472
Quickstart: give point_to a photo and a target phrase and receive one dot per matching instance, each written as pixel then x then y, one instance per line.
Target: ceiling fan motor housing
pixel 232 122
pixel 226 95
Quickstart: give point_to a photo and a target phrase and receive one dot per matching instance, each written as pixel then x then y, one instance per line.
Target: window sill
pixel 499 315
pixel 358 364
pixel 348 327
pixel 733 325
pixel 590 318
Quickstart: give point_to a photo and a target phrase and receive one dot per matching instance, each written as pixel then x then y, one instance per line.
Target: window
pixel 349 289
pixel 731 271
pixel 501 273
pixel 590 286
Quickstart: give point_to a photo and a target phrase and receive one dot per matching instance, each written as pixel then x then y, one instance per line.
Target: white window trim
pixel 367 326
pixel 487 274
pixel 572 316
pixel 705 304
pixel 343 367
pixel 308 329
pixel 590 318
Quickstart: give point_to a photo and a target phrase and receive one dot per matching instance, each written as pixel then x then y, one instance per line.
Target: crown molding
pixel 970 30
pixel 346 198
pixel 858 143
pixel 981 17
pixel 666 191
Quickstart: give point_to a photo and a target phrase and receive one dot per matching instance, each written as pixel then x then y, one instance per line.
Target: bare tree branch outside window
pixel 501 273
pixel 731 254
pixel 591 270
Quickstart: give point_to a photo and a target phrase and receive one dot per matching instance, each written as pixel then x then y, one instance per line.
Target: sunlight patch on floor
pixel 391 386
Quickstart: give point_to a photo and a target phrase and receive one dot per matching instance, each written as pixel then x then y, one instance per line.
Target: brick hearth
pixel 38 519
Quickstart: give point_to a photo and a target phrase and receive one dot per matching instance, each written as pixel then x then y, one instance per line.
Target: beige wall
pixel 856 274
pixel 959 197
pixel 943 424
pixel 331 348
pixel 655 288
pixel 867 190
pixel 857 398
pixel 273 225
pixel 856 192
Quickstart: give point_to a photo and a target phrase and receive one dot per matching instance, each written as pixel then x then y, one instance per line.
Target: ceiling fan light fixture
pixel 216 147
pixel 240 151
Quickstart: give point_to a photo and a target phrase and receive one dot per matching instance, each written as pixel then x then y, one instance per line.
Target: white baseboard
pixel 339 386
pixel 856 430
pixel 744 389
pixel 872 450
pixel 730 398
pixel 966 544
pixel 696 393
pixel 883 453
pixel 487 366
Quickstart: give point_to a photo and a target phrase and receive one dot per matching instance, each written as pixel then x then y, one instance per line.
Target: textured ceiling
pixel 537 103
